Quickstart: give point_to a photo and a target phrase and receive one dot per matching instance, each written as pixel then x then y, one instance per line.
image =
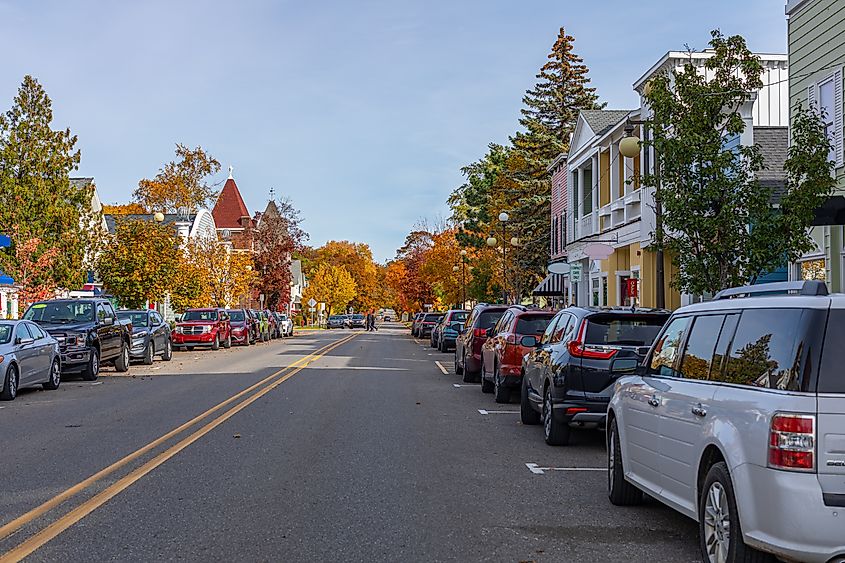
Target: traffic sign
pixel 575 272
pixel 312 303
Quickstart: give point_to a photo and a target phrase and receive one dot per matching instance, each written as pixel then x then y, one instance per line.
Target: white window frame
pixel 814 101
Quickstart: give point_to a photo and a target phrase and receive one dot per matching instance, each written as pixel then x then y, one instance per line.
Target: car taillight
pixel 578 349
pixel 792 442
pixel 480 332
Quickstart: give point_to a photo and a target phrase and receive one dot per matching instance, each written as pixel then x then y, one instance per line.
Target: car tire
pixel 716 505
pixel 486 384
pixel 228 343
pixel 167 355
pixel 527 414
pixel 92 371
pixel 216 344
pixel 619 490
pixel 121 363
pixel 459 369
pixel 468 377
pixel 55 377
pixel 501 393
pixel 554 432
pixel 149 354
pixel 10 385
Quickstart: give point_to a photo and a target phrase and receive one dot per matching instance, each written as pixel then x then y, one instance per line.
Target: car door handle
pixel 699 410
pixel 654 401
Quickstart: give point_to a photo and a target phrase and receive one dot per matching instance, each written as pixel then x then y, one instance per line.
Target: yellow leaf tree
pixel 357 259
pixel 229 276
pixel 332 285
pixel 181 183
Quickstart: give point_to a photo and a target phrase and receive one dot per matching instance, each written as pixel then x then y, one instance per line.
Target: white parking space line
pixel 537 470
pixel 442 369
pixel 482 411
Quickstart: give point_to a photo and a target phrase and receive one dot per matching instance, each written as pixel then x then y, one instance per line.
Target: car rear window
pixel 624 330
pixel 488 319
pixel 431 317
pixel 831 374
pixel 458 316
pixel 532 324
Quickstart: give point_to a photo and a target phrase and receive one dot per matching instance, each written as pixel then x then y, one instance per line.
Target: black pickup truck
pixel 88 331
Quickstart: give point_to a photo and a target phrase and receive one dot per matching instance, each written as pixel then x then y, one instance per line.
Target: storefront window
pixel 813 270
pixel 595 292
pixel 604 291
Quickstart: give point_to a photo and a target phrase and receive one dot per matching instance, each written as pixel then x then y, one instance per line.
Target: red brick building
pixel 234 221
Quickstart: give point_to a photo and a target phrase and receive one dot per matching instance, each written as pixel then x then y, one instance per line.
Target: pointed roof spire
pixel 230 172
pixel 272 194
pixel 230 207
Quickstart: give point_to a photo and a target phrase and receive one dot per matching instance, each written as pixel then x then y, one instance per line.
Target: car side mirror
pixel 23 341
pixel 624 366
pixel 529 341
pixel 108 321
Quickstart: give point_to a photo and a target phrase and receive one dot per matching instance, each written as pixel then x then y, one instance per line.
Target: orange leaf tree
pixel 181 183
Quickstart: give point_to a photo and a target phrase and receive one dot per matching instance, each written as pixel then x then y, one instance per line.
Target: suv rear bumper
pixel 782 512
pixel 594 417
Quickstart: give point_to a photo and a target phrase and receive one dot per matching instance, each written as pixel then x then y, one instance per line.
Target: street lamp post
pixel 463 277
pixel 503 219
pixel 629 147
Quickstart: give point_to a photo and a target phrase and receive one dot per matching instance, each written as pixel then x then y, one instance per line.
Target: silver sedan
pixel 28 356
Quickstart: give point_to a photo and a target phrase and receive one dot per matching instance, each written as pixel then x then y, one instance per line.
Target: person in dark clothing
pixel 371 322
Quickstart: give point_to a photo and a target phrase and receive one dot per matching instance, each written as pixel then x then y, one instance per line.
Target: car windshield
pixel 335 318
pixel 137 318
pixel 200 316
pixel 627 330
pixel 6 330
pixel 533 324
pixel 357 317
pixel 237 316
pixel 61 312
pixel 458 317
pixel 283 317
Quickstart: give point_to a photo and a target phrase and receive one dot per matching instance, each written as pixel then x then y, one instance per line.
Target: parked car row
pixel 65 337
pixel 730 411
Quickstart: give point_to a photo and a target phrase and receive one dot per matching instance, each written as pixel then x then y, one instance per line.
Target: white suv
pixel 737 420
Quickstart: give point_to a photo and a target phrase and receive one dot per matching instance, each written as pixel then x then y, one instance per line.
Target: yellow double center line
pixel 87 507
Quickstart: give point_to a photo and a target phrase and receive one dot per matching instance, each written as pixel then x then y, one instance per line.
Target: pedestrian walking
pixel 371 321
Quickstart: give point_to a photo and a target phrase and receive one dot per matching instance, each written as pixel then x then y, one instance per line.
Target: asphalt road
pixel 365 451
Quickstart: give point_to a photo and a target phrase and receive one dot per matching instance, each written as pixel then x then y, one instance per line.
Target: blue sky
pixel 361 112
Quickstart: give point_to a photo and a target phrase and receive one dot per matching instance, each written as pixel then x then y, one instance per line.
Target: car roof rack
pixel 807 287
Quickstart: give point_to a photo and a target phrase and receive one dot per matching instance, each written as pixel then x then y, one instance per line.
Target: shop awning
pixel 550 287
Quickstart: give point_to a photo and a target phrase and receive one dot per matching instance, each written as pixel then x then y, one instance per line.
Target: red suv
pixel 203 327
pixel 502 353
pixel 469 342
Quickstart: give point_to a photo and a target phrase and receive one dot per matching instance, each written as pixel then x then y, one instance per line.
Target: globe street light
pixel 455 269
pixel 158 217
pixel 503 219
pixel 491 241
pixel 463 276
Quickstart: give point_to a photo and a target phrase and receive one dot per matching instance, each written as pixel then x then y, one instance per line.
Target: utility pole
pixel 660 295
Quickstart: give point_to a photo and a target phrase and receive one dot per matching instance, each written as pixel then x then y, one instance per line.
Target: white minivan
pixel 737 420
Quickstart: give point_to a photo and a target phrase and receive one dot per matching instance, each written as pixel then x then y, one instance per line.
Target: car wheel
pixel 468 377
pixel 168 351
pixel 459 369
pixel 527 414
pixel 121 364
pixel 216 344
pixel 554 432
pixel 10 385
pixel 55 377
pixel 486 384
pixel 149 354
pixel 619 491
pixel 501 393
pixel 93 370
pixel 228 343
pixel 719 531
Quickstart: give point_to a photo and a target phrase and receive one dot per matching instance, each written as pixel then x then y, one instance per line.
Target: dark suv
pixel 468 344
pixel 567 380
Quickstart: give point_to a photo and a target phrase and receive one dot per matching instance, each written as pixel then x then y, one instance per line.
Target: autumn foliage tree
pixel 139 262
pixel 32 260
pixel 229 275
pixel 181 183
pixel 277 237
pixel 357 259
pixel 332 285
